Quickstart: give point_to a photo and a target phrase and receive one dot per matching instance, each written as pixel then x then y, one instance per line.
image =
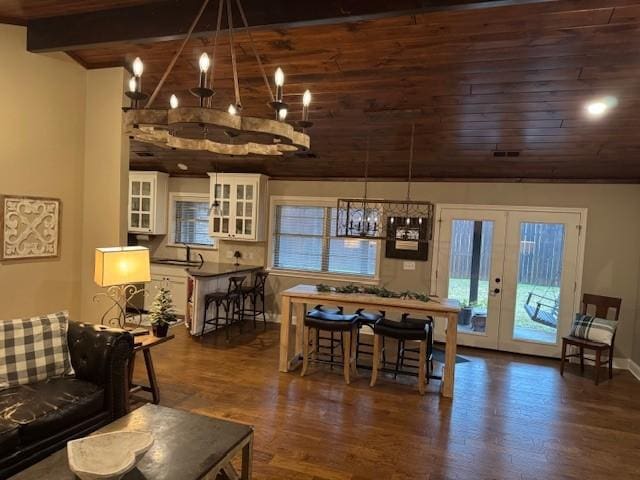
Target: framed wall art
pixel 29 227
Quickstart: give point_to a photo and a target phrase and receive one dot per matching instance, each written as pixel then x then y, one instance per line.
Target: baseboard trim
pixel 634 368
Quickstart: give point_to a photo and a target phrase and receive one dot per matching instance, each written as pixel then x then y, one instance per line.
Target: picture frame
pixel 29 227
pixel 407 242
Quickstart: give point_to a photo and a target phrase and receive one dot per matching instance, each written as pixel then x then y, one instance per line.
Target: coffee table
pixel 186 447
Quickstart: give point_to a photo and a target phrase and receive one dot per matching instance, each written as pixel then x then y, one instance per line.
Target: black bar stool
pixel 317 312
pixel 367 319
pixel 407 329
pixel 255 294
pixel 230 301
pixel 345 325
pixel 428 323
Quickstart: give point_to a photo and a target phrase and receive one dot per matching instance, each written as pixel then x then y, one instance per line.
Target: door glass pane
pixel 249 192
pixel 240 192
pixel 145 218
pixel 248 211
pixel 216 224
pixel 135 188
pixel 539 277
pixel 135 220
pixel 469 271
pixel 239 209
pixel 146 188
pixel 135 204
pixel 225 225
pixel 247 227
pixel 146 204
pixel 225 209
pixel 239 226
pixel 226 191
pixel 217 192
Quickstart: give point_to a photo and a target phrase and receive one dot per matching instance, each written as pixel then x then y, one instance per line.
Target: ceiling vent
pixel 506 153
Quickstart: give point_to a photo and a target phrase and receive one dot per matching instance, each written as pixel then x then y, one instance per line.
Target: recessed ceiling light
pixel 596 109
pixel 599 107
pixel 182 166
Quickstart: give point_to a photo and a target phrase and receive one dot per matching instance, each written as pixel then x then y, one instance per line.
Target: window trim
pixel 194 197
pixel 276 201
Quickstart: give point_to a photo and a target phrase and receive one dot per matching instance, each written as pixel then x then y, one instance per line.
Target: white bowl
pixel 107 456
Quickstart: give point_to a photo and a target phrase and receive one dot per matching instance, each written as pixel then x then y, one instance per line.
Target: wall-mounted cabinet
pixel 241 211
pixel 148 202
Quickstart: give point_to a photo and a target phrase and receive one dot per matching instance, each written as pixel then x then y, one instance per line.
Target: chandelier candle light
pixel 220 131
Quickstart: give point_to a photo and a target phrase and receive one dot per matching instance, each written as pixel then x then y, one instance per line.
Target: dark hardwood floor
pixel 513 417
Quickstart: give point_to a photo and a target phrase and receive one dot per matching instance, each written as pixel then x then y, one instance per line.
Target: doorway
pixel 515 270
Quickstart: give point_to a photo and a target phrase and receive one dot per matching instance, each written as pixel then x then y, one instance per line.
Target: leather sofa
pixel 38 419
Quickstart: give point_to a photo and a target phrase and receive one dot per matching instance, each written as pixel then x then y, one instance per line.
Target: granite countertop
pixel 214 269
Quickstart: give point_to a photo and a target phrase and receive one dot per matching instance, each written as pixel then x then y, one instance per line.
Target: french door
pixel 516 272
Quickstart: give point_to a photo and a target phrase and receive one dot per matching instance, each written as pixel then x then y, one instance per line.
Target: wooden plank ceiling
pixel 511 78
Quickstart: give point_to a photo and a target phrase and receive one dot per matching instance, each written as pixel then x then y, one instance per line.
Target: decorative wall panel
pixel 30 227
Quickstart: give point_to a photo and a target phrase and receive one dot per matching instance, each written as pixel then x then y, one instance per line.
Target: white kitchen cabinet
pixel 242 206
pixel 174 279
pixel 148 202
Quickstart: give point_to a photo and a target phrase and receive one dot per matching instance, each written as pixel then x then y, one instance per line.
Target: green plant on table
pixel 162 311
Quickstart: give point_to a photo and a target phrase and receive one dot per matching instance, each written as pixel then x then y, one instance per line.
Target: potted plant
pixel 162 313
pixel 464 317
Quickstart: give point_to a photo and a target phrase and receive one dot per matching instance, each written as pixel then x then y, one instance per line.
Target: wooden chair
pixel 602 305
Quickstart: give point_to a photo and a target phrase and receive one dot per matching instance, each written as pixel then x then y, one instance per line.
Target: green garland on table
pixel 372 290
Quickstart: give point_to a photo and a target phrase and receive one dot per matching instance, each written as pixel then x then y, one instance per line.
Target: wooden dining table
pixel 296 300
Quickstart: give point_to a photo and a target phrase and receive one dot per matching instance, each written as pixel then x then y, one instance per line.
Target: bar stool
pixel 230 301
pixel 254 293
pixel 367 319
pixel 407 329
pixel 345 325
pixel 317 312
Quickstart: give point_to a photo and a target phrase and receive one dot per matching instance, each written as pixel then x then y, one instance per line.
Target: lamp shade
pixel 122 265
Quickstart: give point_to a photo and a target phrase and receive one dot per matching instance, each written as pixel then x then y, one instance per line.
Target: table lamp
pixel 119 269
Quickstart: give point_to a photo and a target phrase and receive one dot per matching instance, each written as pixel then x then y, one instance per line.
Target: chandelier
pixel 393 220
pixel 205 128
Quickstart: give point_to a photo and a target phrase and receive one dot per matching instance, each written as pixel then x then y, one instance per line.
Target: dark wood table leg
pixel 247 460
pixel 151 375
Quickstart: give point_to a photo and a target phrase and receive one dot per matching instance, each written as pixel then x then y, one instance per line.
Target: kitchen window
pixel 190 220
pixel 304 239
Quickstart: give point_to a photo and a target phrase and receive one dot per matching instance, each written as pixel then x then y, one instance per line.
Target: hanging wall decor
pixel 30 227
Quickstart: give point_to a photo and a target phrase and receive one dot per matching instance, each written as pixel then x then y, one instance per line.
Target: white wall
pixel 61 133
pixel 42 100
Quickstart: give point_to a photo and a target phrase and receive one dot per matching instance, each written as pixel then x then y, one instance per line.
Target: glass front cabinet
pixel 238 206
pixel 148 195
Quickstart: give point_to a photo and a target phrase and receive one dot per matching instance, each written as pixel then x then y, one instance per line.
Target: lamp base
pixel 120 297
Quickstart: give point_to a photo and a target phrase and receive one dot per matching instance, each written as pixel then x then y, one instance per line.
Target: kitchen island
pixel 207 278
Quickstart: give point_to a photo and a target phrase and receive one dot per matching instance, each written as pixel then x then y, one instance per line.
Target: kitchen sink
pixel 171 261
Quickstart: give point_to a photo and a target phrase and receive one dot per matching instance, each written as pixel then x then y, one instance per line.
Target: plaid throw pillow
pixel 34 349
pixel 593 328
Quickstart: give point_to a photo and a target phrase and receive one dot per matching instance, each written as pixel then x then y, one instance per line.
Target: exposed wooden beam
pixel 170 20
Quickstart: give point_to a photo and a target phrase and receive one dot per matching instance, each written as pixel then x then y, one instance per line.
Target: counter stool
pixel 367 319
pixel 255 294
pixel 329 350
pixel 407 329
pixel 230 301
pixel 345 325
pixel 402 349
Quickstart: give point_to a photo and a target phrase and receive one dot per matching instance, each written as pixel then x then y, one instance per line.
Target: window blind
pixel 305 239
pixel 192 223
